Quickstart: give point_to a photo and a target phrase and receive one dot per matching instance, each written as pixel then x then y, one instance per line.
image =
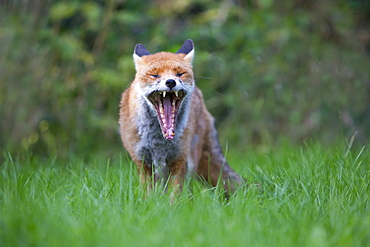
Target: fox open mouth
pixel 167 104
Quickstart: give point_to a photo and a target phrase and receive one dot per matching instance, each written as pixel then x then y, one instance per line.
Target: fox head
pixel 165 80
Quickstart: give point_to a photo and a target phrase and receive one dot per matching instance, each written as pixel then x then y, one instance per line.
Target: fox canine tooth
pixel 177 93
pixel 164 94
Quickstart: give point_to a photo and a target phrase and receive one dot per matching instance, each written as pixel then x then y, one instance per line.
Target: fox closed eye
pixel 180 74
pixel 155 76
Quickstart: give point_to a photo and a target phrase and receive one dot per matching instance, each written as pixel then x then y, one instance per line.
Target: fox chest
pixel 153 148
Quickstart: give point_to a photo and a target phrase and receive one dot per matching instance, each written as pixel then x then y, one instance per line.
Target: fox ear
pixel 139 51
pixel 188 49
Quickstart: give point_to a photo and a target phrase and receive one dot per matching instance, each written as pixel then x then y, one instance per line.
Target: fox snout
pixel 167 84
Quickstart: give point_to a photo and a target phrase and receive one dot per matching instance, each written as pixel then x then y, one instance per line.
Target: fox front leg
pixel 177 178
pixel 145 176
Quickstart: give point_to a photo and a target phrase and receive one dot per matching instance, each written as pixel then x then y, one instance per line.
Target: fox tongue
pixel 168 118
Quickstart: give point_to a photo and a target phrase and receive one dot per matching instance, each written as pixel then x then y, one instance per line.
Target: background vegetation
pixel 295 69
pixel 274 74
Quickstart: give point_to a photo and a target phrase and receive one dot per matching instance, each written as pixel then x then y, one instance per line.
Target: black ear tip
pixel 138 47
pixel 187 47
pixel 189 41
pixel 140 50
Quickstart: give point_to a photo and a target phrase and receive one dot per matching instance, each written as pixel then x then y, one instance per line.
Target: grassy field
pixel 311 196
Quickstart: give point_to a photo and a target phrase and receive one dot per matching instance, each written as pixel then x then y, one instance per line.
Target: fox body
pixel 164 123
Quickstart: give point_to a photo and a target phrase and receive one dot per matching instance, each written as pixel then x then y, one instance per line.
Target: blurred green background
pixel 271 71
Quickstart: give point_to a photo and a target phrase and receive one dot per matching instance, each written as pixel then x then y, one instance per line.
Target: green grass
pixel 310 197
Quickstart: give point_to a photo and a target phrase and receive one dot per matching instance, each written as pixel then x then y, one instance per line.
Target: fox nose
pixel 170 83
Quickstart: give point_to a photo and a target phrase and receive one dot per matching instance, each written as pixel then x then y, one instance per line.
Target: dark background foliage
pixel 270 70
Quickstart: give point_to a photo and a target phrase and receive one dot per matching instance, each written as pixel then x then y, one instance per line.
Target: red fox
pixel 165 126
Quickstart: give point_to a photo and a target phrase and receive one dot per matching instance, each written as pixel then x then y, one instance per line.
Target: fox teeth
pixel 164 94
pixel 177 93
